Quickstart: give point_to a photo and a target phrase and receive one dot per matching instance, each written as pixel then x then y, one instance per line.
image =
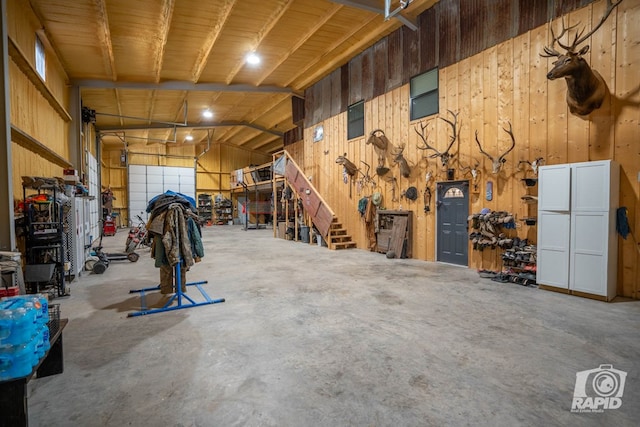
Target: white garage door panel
pixel 137 187
pixel 147 182
pixel 155 170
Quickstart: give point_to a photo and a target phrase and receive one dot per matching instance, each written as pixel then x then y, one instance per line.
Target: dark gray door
pixel 451 228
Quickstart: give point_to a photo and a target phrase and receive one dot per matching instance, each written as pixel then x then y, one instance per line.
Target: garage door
pixel 146 182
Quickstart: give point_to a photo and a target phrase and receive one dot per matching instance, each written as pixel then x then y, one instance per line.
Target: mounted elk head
pixel 496 163
pixel 444 156
pixel 349 167
pixel 533 165
pixel 398 158
pixel 586 89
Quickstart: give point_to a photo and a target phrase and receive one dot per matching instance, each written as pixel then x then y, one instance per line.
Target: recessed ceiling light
pixel 189 138
pixel 207 113
pixel 253 59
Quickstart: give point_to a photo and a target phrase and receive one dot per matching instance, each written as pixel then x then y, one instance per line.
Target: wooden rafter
pixel 353 49
pixel 256 113
pixel 328 51
pixel 210 40
pixel 163 30
pixel 104 34
pixel 271 22
pixel 301 41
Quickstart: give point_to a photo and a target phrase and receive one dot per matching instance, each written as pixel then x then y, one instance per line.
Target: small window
pixel 355 120
pixel 424 94
pixel 454 193
pixel 41 66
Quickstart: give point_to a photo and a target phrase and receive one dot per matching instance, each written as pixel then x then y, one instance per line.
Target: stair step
pixel 344 245
pixel 338 231
pixel 341 238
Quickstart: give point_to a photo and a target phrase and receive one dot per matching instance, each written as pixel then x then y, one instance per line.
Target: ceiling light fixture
pixel 189 138
pixel 253 59
pixel 207 114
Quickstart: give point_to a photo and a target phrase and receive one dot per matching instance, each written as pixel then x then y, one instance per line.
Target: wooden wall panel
pixel 355 80
pixel 367 74
pixel 506 82
pixel 429 45
pixel 448 32
pixel 473 21
pixel 381 66
pixel 411 54
pixel 532 14
pixel 336 92
pixel 394 60
pixel 499 21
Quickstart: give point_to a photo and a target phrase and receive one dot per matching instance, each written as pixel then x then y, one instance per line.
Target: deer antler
pixel 513 144
pixel 496 163
pixel 481 150
pixel 453 123
pixel 444 156
pixel 550 50
pixel 424 138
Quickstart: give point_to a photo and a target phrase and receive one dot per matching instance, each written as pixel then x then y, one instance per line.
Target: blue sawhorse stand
pixel 178 296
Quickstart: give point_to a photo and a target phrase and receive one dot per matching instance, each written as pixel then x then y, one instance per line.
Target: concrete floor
pixel 312 337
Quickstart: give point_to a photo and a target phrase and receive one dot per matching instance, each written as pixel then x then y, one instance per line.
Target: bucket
pixel 304 233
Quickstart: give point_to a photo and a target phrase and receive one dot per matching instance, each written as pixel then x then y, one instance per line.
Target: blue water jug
pixel 6 323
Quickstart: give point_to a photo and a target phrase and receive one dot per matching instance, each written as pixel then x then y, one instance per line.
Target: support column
pixel 76 141
pixel 7 221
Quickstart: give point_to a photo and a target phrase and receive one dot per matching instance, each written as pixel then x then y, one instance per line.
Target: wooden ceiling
pixel 149 68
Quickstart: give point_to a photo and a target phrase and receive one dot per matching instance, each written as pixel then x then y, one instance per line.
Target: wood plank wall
pixel 503 82
pixel 30 111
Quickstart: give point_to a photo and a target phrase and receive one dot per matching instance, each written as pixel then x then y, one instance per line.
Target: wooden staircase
pixel 338 237
pixel 321 214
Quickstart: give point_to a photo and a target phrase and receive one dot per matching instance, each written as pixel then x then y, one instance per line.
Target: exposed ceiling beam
pixel 322 69
pixel 104 35
pixel 188 126
pixel 180 85
pixel 210 40
pixel 254 115
pixel 163 30
pixel 302 39
pixel 271 22
pixel 368 6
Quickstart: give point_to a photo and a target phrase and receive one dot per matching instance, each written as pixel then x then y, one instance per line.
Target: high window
pixel 424 94
pixel 355 120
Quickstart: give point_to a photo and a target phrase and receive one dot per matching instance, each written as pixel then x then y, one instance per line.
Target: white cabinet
pixel 577 240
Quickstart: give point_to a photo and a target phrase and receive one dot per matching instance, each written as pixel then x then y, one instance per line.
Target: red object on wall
pixel 109 228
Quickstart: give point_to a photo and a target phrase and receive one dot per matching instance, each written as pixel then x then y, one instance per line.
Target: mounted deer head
pixel 473 169
pixel 444 156
pixel 533 165
pixel 398 158
pixel 586 88
pixel 496 163
pixel 349 167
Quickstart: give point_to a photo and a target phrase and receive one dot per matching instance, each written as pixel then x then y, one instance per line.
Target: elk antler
pixel 444 156
pixel 496 164
pixel 578 38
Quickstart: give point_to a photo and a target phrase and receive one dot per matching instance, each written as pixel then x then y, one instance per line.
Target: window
pixel 355 120
pixel 454 193
pixel 41 66
pixel 424 94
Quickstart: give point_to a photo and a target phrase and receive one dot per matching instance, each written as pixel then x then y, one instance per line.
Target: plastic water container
pixel 22 360
pixel 6 323
pixel 6 361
